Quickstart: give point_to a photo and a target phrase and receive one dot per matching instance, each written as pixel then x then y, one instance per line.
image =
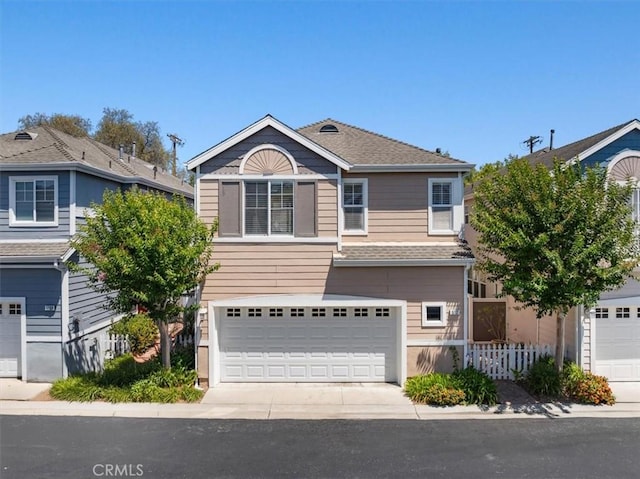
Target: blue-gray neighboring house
pixel 50 321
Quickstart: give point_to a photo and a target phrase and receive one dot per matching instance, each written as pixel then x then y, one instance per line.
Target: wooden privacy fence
pixel 504 361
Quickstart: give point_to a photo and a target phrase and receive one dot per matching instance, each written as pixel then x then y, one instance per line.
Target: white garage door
pixel 618 343
pixel 10 316
pixel 308 350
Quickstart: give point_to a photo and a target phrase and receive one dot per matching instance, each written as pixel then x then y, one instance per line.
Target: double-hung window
pixel 268 207
pixel 33 201
pixel 446 212
pixel 354 204
pixel 635 209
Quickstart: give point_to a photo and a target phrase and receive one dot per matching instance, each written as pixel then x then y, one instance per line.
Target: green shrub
pixel 592 389
pixel 478 387
pixel 191 394
pixel 140 329
pixel 543 379
pixel 571 376
pixel 124 370
pixel 183 357
pixel 434 388
pixel 76 388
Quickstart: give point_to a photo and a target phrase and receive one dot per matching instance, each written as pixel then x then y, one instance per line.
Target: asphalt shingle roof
pixel 362 147
pixel 437 251
pixel 47 250
pixel 51 146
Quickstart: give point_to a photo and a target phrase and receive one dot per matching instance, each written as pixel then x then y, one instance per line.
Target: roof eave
pixel 256 127
pixel 97 172
pixel 341 262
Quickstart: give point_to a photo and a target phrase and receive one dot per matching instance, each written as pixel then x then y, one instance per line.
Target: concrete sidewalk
pixel 313 401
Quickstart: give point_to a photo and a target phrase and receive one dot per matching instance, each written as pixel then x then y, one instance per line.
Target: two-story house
pixel 339 256
pixel 604 339
pixel 49 318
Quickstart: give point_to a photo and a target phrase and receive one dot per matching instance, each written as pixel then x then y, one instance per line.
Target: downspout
pixel 339 203
pixel 578 339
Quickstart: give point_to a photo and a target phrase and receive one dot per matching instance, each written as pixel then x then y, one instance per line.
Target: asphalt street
pixel 71 447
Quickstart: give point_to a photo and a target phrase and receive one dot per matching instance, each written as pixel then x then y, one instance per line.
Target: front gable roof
pixel 585 147
pixel 350 148
pixel 256 127
pixel 46 148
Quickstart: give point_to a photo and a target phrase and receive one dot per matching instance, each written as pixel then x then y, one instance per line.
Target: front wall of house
pixel 630 141
pixel 85 304
pixel 398 207
pixel 35 232
pixel 41 288
pixel 90 189
pixel 229 161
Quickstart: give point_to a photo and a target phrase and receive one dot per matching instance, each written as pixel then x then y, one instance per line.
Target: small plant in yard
pixel 478 387
pixel 543 379
pixel 592 389
pixel 140 329
pixel 435 388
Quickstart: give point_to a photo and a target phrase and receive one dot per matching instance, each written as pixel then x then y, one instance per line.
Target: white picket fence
pixel 505 361
pixel 115 345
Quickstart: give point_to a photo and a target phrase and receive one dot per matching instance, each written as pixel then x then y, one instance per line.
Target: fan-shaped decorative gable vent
pixel 25 135
pixel 626 168
pixel 268 161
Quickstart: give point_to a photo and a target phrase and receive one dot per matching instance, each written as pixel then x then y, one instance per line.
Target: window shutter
pixel 229 209
pixel 305 209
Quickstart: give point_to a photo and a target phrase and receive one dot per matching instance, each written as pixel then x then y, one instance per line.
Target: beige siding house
pixel 604 339
pixel 340 258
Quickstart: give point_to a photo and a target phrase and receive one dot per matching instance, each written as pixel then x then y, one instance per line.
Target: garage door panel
pixel 312 350
pixel 617 348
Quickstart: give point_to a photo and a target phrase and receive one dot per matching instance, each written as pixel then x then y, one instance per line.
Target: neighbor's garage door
pixel 10 315
pixel 308 350
pixel 618 343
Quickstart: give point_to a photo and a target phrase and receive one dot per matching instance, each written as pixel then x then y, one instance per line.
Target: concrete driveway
pixel 626 392
pixel 314 399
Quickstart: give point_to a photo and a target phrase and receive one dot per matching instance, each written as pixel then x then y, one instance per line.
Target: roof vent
pixel 25 135
pixel 329 128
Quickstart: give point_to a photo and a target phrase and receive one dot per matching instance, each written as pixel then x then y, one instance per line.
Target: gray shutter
pixel 229 209
pixel 305 209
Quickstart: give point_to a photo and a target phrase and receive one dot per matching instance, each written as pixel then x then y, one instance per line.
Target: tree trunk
pixel 165 344
pixel 560 341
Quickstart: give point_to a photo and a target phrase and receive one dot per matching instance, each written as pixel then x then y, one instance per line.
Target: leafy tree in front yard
pixel 555 238
pixel 148 251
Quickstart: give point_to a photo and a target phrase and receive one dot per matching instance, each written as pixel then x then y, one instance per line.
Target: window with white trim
pixel 268 207
pixel 33 201
pixel 382 312
pixel 318 312
pixel 440 205
pixel 361 312
pixel 15 308
pixel 354 206
pixel 276 312
pixel 297 312
pixel 339 312
pixel 434 314
pixel 254 312
pixel 233 312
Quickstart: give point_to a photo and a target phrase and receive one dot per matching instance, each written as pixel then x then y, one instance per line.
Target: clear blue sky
pixel 473 78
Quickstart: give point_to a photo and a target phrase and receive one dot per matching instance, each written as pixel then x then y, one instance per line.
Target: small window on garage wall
pixel 623 313
pixel 602 313
pixel 434 314
pixel 229 209
pixel 297 312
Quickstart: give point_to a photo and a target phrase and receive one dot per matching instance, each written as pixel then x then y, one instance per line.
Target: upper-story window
pixel 446 212
pixel 33 201
pixel 268 207
pixel 354 204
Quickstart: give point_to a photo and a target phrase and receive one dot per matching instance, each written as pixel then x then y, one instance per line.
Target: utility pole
pixel 532 141
pixel 175 140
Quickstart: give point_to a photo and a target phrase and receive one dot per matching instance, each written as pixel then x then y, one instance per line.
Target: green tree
pixel 148 251
pixel 117 127
pixel 555 239
pixel 73 125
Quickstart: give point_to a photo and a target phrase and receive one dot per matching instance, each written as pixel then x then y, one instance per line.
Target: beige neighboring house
pixel 604 339
pixel 339 256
